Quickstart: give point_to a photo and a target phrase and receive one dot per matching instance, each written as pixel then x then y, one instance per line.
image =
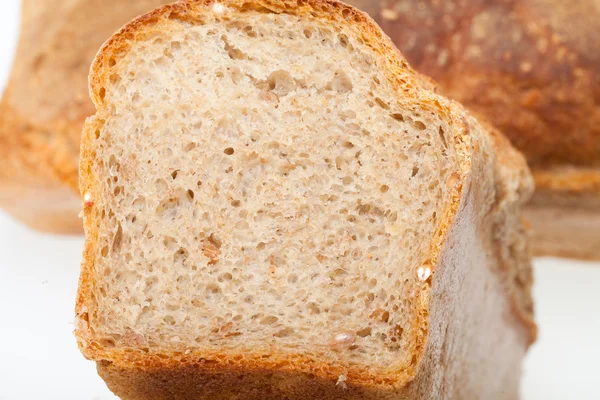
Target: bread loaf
pixel 45 103
pixel 278 206
pixel 533 68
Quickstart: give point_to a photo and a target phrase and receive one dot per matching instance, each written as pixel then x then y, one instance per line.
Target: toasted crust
pixel 45 105
pixel 146 374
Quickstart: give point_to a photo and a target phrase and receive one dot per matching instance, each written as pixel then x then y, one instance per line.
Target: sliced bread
pixel 278 206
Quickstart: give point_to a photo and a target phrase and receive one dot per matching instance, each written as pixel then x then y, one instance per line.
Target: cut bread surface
pixel 277 206
pixel 259 187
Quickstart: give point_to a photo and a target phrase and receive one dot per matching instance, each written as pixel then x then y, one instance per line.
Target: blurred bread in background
pixel 46 102
pixel 532 67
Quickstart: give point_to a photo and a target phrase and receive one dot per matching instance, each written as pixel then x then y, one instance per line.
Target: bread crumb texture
pixel 261 186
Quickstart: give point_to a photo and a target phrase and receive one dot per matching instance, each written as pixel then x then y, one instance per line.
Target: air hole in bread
pixel 190 146
pixel 233 52
pixel 397 117
pixel 343 40
pixel 117 239
pixel 163 62
pixel 190 195
pixel 285 332
pixel 420 125
pixel 107 342
pixel 269 320
pixel 213 289
pixel 442 135
pixel 113 165
pixel 175 47
pixel 340 82
pixel 415 171
pixel 226 277
pixel 180 255
pixel 170 243
pixel 249 30
pixel 382 103
pixel 160 185
pixel 115 79
pixel 281 83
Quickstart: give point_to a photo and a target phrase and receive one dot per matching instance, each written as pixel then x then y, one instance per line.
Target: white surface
pixel 38 277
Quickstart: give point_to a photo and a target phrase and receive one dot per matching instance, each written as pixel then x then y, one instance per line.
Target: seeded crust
pixel 45 105
pixel 474 315
pixel 531 67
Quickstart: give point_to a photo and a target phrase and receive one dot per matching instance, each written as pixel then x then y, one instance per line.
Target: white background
pixel 38 278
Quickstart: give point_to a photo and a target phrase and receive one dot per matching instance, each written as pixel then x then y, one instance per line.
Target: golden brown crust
pixel 45 104
pixel 198 383
pixel 210 363
pixel 139 374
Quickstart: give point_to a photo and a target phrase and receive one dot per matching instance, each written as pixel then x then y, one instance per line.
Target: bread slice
pixel 278 206
pixel 46 102
pixel 531 67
